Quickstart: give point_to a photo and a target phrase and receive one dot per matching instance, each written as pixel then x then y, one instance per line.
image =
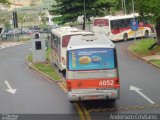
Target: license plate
pixel 91 97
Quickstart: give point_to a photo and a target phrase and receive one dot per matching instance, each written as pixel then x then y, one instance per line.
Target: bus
pixel 59 41
pixel 92 69
pixel 118 27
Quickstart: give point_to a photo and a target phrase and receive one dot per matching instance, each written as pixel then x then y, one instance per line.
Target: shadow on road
pixel 99 104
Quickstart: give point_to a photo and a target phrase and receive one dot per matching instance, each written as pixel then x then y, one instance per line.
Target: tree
pixel 5 2
pixel 150 9
pixel 21 19
pixel 71 9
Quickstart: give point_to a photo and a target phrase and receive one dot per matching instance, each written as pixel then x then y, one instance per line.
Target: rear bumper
pixel 107 95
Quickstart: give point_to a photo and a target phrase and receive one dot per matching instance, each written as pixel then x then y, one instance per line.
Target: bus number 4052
pixel 106 82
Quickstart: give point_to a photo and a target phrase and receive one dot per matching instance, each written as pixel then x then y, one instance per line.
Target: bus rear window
pixel 91 59
pixel 100 22
pixel 66 40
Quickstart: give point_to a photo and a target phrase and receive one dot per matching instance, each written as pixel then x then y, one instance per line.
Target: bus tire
pixel 146 34
pixel 125 37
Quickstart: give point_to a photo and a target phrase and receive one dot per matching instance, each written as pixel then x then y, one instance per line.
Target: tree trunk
pixel 158 30
pixel 84 25
pixel 157 34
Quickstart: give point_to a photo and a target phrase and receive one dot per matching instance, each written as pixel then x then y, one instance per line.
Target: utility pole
pixel 84 6
pixel 122 6
pixel 133 8
pixel 133 18
pixel 125 7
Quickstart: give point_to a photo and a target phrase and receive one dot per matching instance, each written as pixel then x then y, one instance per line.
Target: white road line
pixel 140 93
pixel 10 89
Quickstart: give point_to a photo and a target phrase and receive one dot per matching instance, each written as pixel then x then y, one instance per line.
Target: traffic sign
pixel 134 25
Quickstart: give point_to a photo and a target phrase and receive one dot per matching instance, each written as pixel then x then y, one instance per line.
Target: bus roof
pixel 68 31
pixel 98 41
pixel 119 17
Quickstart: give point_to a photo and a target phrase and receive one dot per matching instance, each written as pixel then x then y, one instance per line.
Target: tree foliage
pixel 150 9
pixel 71 9
pixel 5 2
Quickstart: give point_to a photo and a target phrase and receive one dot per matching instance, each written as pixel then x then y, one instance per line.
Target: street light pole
pixel 125 7
pixel 84 6
pixel 133 8
pixel 122 6
pixel 134 19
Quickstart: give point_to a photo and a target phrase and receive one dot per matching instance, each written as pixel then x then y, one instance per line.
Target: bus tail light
pixel 63 61
pixel 68 85
pixel 117 85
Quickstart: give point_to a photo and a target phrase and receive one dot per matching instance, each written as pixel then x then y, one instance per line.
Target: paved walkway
pixel 152 57
pixel 9 44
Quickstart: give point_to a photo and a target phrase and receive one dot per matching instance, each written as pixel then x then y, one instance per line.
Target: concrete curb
pixel 139 57
pixel 29 64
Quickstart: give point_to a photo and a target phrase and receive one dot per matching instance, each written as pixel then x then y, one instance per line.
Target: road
pixel 133 72
pixel 37 95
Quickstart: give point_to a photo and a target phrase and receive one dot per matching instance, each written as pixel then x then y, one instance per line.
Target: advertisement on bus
pixel 91 59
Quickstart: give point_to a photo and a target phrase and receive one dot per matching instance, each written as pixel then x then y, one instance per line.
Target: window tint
pixel 55 41
pixel 121 23
pixel 66 40
pixel 101 22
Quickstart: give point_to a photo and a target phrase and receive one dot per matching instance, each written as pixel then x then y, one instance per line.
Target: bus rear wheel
pixel 125 37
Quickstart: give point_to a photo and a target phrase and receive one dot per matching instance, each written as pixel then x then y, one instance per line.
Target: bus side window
pixel 52 38
pixel 58 45
pixel 121 24
pixel 54 41
pixel 114 24
pixel 126 22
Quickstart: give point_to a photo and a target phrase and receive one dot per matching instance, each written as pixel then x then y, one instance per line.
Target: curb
pixel 29 64
pixel 139 57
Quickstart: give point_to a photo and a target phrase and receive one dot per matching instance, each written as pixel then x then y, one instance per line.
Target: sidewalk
pixel 9 44
pixel 147 58
pixel 152 57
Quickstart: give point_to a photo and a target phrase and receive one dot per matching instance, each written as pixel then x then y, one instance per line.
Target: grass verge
pixel 46 67
pixel 141 48
pixel 157 62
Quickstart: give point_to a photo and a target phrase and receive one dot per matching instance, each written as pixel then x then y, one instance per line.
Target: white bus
pixel 92 69
pixel 118 27
pixel 60 38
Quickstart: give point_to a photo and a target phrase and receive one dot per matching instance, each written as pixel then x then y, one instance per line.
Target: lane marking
pixel 80 111
pixel 63 87
pixel 84 114
pixel 125 108
pixel 138 90
pixel 10 89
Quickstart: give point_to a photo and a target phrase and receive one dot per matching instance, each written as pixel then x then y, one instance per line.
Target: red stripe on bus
pixel 93 83
pixel 119 30
pixel 101 22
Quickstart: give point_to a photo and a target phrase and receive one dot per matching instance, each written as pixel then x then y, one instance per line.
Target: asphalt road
pixel 35 94
pixel 133 72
